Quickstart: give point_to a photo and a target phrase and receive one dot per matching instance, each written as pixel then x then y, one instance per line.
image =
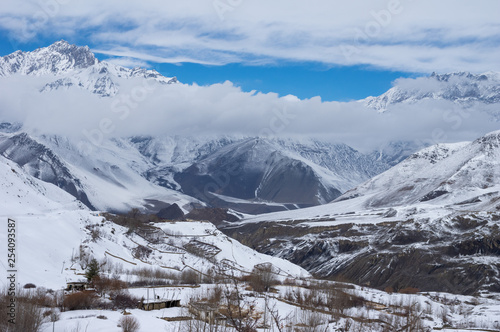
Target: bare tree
pixel 262 278
pixel 241 314
pixel 283 324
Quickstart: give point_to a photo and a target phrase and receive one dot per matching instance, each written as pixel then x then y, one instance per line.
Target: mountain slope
pixel 442 174
pixel 255 169
pixel 264 175
pixel 21 192
pixel 42 163
pixel 248 173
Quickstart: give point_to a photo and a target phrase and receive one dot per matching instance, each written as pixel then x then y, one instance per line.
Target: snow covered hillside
pixel 57 236
pixel 53 228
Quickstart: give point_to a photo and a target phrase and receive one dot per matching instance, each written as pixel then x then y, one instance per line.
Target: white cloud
pixel 128 62
pixel 182 109
pixel 422 36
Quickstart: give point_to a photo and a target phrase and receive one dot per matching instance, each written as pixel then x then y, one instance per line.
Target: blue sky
pixel 304 79
pixel 337 50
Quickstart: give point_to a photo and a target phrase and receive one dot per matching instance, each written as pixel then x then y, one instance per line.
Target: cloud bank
pixel 180 109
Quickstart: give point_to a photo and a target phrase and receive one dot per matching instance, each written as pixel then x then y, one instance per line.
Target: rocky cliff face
pixel 457 254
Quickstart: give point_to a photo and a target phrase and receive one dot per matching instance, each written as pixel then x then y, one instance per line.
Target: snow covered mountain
pixel 430 222
pixel 462 88
pixel 455 98
pixel 442 174
pixel 42 163
pixel 247 174
pixel 67 66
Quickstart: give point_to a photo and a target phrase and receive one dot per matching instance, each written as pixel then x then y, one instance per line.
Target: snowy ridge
pixel 21 192
pixel 463 88
pixel 442 174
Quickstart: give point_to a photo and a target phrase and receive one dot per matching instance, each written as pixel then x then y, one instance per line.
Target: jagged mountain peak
pixel 55 59
pixel 74 66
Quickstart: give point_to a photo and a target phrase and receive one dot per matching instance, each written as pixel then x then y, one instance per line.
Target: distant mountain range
pixel 250 175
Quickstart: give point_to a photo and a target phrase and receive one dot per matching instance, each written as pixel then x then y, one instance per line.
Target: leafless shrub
pixel 409 290
pixel 312 321
pixel 190 277
pixel 414 318
pixel 123 300
pixel 290 282
pixel 129 324
pixel 84 257
pixel 104 285
pixel 154 277
pixel 28 316
pixel 240 313
pixel 141 252
pixel 282 323
pixel 80 300
pixel 95 232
